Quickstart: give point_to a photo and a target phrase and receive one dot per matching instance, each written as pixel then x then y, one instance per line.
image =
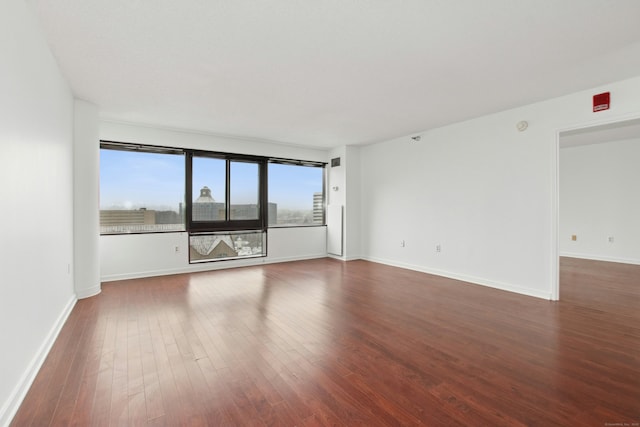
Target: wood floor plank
pixel 49 382
pixel 72 387
pixel 330 343
pixel 86 393
pixel 152 392
pixel 119 411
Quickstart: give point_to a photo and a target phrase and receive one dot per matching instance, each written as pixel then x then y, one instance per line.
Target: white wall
pixel 353 180
pixel 126 256
pixel 147 255
pixel 36 202
pixel 86 206
pixel 336 200
pixel 482 190
pixel 599 199
pixel 346 178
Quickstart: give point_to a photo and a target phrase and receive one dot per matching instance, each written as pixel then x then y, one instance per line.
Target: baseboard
pixel 86 293
pixel 600 258
pixel 208 266
pixel 464 278
pixel 11 406
pixel 294 258
pixel 344 258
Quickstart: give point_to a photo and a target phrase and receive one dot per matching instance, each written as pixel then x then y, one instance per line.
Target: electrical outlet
pixel 177 249
pixel 402 244
pixel 610 239
pixel 438 248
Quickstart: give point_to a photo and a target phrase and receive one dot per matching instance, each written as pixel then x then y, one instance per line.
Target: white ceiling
pixel 325 73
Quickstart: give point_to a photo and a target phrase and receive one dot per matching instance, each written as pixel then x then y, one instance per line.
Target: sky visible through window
pixel 292 187
pixel 209 172
pixel 134 180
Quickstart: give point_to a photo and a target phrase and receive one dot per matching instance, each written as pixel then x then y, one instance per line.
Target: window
pixel 209 190
pixel 141 189
pixel 245 190
pixel 226 210
pixel 227 192
pixel 205 247
pixel 296 194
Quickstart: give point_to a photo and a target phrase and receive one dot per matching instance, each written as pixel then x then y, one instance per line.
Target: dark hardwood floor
pixel 323 342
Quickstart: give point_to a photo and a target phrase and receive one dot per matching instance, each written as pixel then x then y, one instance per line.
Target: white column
pixel 352 220
pixel 344 190
pixel 86 199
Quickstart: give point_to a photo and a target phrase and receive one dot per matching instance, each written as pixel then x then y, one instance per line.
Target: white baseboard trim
pixel 86 293
pixel 600 258
pixel 293 258
pixel 464 278
pixel 208 266
pixel 10 407
pixel 344 258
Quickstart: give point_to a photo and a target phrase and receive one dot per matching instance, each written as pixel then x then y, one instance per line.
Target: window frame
pixel 307 163
pixel 143 148
pixel 227 224
pixel 228 233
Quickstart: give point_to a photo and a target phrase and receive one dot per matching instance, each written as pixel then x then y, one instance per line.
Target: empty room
pixel 330 213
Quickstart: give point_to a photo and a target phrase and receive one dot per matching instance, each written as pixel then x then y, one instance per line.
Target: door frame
pixel 555 202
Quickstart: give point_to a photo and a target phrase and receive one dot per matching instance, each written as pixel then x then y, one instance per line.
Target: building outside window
pixel 233 198
pixel 297 195
pixel 141 191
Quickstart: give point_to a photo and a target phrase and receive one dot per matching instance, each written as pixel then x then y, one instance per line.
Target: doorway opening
pixel 595 166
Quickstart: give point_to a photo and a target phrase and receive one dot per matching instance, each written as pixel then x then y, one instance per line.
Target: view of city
pixel 205 208
pixel 136 187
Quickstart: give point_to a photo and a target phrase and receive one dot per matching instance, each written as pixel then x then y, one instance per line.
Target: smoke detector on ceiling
pixel 522 126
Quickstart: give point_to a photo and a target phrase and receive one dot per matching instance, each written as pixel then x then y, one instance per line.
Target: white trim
pixel 555 236
pixel 208 266
pixel 597 123
pixel 86 293
pixel 468 279
pixel 294 258
pixel 344 258
pixel 10 407
pixel 600 258
pixel 555 222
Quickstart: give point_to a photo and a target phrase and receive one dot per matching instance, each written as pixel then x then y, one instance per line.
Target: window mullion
pixel 188 190
pixel 228 192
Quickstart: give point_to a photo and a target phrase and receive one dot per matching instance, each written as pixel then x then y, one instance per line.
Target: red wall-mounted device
pixel 601 101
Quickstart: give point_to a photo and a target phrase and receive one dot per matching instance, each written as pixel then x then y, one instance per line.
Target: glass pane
pixel 209 189
pixel 244 190
pixel 295 195
pixel 141 192
pixel 232 245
